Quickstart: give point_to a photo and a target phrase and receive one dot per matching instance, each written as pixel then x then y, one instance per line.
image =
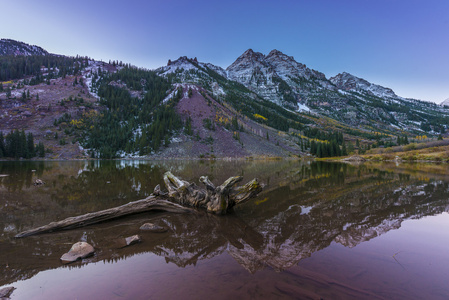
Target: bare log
pixel 144 205
pixel 218 200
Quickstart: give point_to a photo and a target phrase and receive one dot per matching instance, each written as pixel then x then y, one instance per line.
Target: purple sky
pixel 398 44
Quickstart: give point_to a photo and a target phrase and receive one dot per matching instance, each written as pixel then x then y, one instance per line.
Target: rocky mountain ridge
pixel 276 76
pixel 349 82
pixel 445 102
pixel 346 98
pixel 12 47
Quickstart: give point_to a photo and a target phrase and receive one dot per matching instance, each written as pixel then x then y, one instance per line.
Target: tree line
pixel 17 144
pixel 16 67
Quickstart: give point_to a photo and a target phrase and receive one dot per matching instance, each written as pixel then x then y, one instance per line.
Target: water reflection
pixel 303 209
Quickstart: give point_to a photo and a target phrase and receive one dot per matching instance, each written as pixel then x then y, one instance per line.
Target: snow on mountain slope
pixel 277 77
pixel 253 71
pixel 349 82
pixel 184 64
pixel 188 70
pixel 286 67
pixel 11 47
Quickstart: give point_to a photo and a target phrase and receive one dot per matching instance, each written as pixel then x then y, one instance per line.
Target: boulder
pixel 78 251
pixel 6 292
pixel 152 227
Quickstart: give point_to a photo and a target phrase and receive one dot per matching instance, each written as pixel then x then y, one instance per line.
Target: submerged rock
pixel 125 242
pixel 132 240
pixel 6 292
pixel 152 228
pixel 78 251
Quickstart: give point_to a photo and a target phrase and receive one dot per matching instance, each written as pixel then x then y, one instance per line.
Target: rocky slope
pixel 276 76
pixel 12 47
pixel 349 82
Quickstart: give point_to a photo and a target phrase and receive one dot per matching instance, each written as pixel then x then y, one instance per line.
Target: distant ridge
pixel 12 47
pixel 445 102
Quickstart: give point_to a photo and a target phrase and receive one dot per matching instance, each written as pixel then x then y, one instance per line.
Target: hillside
pixel 15 48
pixel 260 106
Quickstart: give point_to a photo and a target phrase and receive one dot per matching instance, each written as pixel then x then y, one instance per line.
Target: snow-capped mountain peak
pixel 276 76
pixel 248 60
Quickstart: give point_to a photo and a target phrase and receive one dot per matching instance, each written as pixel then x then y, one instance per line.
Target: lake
pixel 317 231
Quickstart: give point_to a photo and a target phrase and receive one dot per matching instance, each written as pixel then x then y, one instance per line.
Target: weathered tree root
pixel 218 200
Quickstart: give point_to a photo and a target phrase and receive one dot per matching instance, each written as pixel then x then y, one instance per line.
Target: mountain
pixel 261 105
pixel 345 98
pixel 277 77
pixel 12 47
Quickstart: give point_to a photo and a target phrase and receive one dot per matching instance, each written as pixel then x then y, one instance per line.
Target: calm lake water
pixel 318 230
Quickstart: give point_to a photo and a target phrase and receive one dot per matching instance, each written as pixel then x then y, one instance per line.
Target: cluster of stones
pixel 82 250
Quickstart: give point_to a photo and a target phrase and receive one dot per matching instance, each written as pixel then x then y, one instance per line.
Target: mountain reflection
pixel 303 209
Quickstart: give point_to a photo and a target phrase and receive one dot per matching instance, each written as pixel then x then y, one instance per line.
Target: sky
pixel 403 45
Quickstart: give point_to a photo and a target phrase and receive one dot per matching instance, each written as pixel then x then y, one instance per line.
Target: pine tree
pixel 30 146
pixel 344 151
pixel 313 148
pixel 41 149
pixel 2 145
pixel 319 150
pixel 23 150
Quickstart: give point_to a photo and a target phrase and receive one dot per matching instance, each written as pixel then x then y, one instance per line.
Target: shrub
pixel 410 147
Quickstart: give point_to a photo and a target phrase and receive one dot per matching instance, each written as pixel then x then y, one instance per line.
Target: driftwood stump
pixel 218 200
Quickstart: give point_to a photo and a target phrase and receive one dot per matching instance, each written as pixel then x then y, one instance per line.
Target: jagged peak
pixel 184 63
pixel 278 53
pixel 248 52
pixel 249 57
